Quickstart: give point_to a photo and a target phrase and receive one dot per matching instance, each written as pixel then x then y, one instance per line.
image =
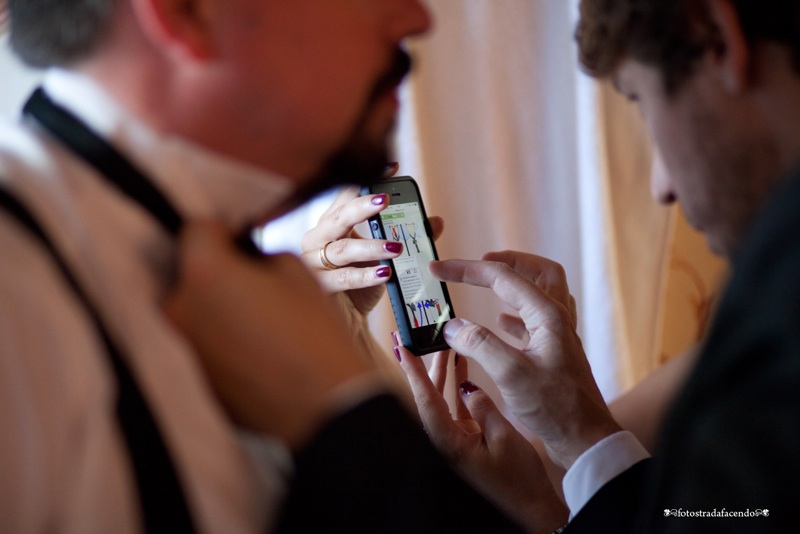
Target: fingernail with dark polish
pixel 379 200
pixel 468 388
pixel 395 339
pixel 383 272
pixel 394 247
pixel 397 354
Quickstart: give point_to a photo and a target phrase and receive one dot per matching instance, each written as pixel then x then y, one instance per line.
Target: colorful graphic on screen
pixel 422 293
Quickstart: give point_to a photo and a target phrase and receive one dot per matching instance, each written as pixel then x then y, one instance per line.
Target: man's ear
pixel 179 27
pixel 732 58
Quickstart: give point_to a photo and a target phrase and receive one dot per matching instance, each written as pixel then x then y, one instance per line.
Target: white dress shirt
pixel 63 461
pixel 598 465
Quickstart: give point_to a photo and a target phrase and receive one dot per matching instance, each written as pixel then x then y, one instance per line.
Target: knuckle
pixel 479 402
pixel 339 247
pixel 551 274
pixel 427 406
pixel 559 272
pixel 343 278
pixel 336 215
pixel 352 278
pixel 306 242
pixel 562 314
pixel 503 272
pixel 514 368
pixel 502 268
pixel 457 455
pixel 475 337
pixel 555 317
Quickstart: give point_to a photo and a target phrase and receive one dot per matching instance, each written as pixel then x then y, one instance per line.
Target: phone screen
pixel 420 302
pixel 423 295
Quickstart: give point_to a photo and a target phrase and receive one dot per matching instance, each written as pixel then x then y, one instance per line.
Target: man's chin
pixel 721 246
pixel 355 164
pixel 363 158
pixel 715 247
pixel 360 162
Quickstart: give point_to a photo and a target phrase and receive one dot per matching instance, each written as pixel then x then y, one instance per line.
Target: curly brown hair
pixel 672 34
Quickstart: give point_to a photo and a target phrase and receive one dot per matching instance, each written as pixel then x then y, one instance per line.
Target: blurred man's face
pixel 713 156
pixel 315 80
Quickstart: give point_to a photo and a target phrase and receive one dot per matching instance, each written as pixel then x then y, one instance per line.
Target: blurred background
pixel 517 149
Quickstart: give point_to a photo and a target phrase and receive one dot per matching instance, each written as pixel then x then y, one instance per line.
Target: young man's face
pixel 712 155
pixel 310 76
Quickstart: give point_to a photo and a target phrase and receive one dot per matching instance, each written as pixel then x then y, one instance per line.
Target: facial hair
pixel 362 159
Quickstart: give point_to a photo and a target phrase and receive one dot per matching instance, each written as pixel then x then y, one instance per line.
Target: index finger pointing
pixel 546 273
pixel 523 295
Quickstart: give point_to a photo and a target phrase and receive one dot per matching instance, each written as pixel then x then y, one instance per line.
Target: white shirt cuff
pixel 601 463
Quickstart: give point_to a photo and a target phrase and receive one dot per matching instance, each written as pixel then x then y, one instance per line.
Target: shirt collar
pixel 200 183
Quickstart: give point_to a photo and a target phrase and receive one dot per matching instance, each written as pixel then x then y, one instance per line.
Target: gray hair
pixel 57 32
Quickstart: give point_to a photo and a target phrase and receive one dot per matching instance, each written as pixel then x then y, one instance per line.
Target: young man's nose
pixel 660 181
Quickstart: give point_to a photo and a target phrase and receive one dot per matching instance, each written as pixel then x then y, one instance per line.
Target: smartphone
pixel 421 303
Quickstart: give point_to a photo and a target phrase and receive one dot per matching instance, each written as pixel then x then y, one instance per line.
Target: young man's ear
pixel 179 27
pixel 732 58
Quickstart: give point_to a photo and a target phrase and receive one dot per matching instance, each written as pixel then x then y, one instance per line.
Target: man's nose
pixel 660 181
pixel 409 18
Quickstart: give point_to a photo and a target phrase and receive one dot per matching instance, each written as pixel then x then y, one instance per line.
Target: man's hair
pixel 672 34
pixel 57 32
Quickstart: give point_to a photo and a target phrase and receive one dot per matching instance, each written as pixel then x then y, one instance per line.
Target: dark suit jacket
pixel 732 440
pixel 730 445
pixel 374 470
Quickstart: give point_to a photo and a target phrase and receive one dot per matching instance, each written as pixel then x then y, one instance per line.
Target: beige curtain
pixel 518 149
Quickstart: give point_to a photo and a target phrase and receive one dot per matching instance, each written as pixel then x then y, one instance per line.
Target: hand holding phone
pixel 421 303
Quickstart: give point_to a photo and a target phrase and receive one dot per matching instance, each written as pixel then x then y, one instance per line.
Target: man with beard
pixel 154 114
pixel 718 82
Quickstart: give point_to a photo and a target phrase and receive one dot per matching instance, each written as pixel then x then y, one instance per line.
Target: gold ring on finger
pixel 323 258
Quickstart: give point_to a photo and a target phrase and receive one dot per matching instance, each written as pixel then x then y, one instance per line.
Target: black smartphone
pixel 420 302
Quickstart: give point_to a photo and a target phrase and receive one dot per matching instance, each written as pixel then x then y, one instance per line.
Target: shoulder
pixel 731 437
pixel 45 333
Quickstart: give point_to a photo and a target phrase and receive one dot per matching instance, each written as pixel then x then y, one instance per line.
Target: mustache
pixel 400 67
pixel 348 168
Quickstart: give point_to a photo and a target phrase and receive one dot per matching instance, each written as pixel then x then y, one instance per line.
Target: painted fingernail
pixel 468 388
pixel 383 272
pixel 452 327
pixel 379 200
pixel 392 167
pixel 397 354
pixel 455 360
pixel 394 247
pixel 395 339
